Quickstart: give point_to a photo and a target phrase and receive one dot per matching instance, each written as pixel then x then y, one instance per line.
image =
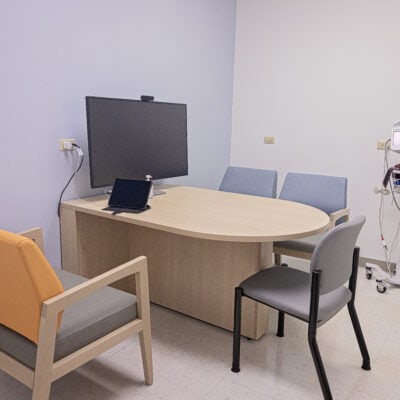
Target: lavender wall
pixel 54 53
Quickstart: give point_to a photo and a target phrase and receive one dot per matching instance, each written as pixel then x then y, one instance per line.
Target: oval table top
pixel 216 215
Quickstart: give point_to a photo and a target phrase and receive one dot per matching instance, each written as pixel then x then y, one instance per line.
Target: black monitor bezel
pixel 93 185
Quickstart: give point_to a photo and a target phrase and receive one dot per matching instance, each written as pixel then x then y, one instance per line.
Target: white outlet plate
pixel 64 146
pixel 269 140
pixel 380 145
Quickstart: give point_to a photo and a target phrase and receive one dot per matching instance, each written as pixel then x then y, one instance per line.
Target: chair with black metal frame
pixel 313 297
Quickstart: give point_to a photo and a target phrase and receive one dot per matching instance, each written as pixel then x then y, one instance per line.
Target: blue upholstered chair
pixel 314 297
pixel 328 193
pixel 256 182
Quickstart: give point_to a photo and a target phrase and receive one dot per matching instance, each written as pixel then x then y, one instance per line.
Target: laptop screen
pixel 128 193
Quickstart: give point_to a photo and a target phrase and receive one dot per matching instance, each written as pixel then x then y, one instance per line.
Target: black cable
pixel 82 157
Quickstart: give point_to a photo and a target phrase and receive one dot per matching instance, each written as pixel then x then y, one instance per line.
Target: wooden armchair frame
pixel 335 216
pixel 46 370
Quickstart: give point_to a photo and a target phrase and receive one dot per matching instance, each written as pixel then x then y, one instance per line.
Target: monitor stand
pixel 157 192
pixel 154 191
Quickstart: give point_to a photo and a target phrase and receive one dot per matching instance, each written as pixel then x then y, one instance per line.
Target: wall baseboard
pixel 380 263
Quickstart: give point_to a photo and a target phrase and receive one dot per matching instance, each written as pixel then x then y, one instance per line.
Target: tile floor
pixel 192 361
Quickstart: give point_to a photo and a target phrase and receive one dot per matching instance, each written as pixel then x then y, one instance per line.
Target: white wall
pixel 323 78
pixel 54 53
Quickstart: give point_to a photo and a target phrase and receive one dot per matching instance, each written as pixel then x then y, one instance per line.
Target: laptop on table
pixel 129 195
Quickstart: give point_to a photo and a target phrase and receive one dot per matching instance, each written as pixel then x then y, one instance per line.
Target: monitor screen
pixel 130 139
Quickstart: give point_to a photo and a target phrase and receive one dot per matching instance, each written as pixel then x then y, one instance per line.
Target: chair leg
pixel 281 324
pixel 236 330
pixel 146 350
pixel 353 314
pixel 41 389
pixel 277 258
pixel 312 336
pixel 43 371
pixel 360 337
pixel 45 354
pixel 319 366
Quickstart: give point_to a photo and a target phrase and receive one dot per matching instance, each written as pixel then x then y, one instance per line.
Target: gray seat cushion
pixel 289 290
pixel 84 322
pixel 306 245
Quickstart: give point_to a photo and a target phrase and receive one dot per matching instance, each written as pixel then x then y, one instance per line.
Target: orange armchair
pixel 52 321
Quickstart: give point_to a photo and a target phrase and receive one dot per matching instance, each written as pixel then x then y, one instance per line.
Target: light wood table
pixel 200 244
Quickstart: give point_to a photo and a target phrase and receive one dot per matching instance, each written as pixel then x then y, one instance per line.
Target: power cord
pixel 80 162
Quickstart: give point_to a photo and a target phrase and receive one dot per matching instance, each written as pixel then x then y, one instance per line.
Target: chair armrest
pixel 35 234
pixel 52 306
pixel 336 215
pixel 137 266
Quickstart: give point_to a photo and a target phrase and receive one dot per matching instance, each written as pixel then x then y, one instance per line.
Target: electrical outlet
pixel 66 144
pixel 269 140
pixel 381 144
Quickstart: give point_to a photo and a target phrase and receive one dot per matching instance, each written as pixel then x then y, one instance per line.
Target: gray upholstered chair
pixel 313 297
pixel 52 322
pixel 256 182
pixel 328 193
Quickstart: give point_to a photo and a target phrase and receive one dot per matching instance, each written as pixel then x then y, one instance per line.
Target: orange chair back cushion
pixel 26 280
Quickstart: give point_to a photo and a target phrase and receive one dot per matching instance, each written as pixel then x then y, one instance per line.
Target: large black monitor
pixel 130 139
